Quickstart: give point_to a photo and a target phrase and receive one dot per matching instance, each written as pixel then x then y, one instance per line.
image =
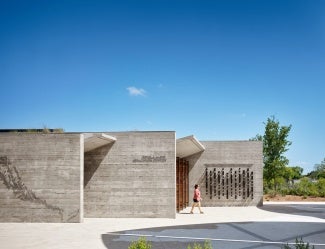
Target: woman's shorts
pixel 195 200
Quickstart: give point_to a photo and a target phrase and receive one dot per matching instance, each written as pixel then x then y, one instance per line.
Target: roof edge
pixel 187 146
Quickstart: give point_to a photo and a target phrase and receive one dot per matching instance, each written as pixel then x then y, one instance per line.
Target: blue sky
pixel 215 69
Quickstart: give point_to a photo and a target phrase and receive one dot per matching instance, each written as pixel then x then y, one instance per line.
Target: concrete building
pixel 64 177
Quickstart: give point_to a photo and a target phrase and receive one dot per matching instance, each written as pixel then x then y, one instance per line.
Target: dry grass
pixel 293 198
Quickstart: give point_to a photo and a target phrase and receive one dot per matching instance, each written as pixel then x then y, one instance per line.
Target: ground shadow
pixel 317 211
pixel 222 235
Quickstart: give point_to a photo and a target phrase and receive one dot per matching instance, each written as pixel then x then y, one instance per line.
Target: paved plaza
pixel 270 226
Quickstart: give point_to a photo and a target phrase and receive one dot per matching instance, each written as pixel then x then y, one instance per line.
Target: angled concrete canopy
pixel 187 146
pixel 94 141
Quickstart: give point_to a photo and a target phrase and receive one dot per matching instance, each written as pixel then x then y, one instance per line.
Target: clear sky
pixel 215 69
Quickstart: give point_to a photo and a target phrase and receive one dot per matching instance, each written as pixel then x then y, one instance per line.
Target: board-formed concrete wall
pixel 132 177
pixel 40 177
pixel 230 173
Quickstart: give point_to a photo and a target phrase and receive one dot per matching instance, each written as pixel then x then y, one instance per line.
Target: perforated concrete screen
pixel 229 183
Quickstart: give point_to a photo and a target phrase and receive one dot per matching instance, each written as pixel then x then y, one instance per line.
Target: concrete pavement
pixel 272 222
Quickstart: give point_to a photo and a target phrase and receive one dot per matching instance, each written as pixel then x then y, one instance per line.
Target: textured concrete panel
pixel 40 177
pixel 240 168
pixel 133 177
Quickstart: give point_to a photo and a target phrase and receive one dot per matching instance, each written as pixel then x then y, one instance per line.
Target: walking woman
pixel 197 199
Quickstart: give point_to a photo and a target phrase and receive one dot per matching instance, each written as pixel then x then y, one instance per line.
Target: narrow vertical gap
pixel 210 187
pixel 227 185
pixel 252 185
pixel 219 178
pixel 239 182
pixel 236 184
pixel 248 184
pixel 231 182
pixel 214 181
pixel 244 184
pixel 223 182
pixel 206 181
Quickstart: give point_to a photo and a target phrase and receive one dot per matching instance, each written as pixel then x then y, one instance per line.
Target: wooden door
pixel 182 168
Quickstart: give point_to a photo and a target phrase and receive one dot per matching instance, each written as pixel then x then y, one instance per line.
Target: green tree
pixel 275 144
pixel 292 173
pixel 319 171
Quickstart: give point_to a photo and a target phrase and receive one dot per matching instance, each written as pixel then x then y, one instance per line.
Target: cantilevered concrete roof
pixel 187 146
pixel 96 140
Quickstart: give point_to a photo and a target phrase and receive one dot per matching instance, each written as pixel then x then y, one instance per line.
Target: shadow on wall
pixel 92 161
pixel 193 159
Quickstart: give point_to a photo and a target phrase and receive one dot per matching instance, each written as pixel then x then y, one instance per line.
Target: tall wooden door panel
pixel 182 199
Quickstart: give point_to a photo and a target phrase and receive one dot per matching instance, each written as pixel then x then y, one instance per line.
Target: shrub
pixel 308 188
pixel 271 193
pixel 299 245
pixel 207 245
pixel 284 191
pixel 141 243
pixel 305 187
pixel 302 188
pixel 321 187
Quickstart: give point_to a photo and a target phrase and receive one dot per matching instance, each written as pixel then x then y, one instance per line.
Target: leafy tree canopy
pixel 319 171
pixel 293 173
pixel 275 144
